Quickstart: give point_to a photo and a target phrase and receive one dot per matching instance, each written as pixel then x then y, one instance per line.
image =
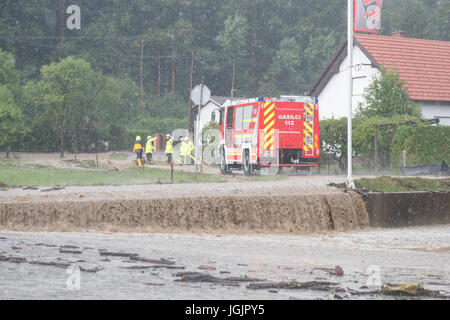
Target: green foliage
pixel 333 140
pixel 386 97
pixel 277 47
pixel 391 184
pixel 363 139
pixel 11 120
pixel 424 145
pixel 8 74
pixel 167 106
pixel 161 125
pixel 208 137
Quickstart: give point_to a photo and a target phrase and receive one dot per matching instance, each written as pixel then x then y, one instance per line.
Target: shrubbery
pixel 424 145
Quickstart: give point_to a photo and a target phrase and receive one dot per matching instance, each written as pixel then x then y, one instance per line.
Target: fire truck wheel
pixel 247 165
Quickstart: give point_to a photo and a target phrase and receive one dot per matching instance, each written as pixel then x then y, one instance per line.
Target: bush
pixel 424 145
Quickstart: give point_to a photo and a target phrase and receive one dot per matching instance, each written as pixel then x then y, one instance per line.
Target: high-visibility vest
pixel 190 146
pixel 169 146
pixel 137 146
pixel 149 145
pixel 183 148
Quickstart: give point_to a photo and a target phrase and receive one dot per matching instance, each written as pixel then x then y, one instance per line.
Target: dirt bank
pixel 229 213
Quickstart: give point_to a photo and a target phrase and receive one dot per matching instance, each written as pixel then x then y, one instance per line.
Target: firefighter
pixel 183 151
pixel 149 149
pixel 190 150
pixel 138 148
pixel 169 148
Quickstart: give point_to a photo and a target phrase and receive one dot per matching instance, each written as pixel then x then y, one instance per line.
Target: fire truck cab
pixel 269 132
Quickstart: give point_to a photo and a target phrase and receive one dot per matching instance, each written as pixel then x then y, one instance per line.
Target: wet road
pixel 419 254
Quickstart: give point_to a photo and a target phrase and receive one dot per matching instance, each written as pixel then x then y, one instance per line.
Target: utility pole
pixel 142 84
pixel 350 183
pixel 191 129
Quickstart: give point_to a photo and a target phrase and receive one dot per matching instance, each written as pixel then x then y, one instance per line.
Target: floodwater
pixel 406 255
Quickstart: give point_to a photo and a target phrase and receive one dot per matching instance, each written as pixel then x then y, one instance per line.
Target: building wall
pixel 441 110
pixel 333 98
pixel 206 115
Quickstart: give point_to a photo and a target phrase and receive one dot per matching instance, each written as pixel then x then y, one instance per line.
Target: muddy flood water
pixel 93 265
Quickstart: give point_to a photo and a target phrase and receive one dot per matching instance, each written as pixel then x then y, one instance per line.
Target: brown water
pixel 419 254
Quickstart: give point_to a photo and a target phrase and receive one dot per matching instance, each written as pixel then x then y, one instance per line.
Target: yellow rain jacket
pixel 169 146
pixel 149 145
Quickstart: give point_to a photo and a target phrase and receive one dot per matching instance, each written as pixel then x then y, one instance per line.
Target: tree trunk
pixel 173 77
pixel 61 141
pixel 232 78
pixel 255 24
pixel 61 19
pixel 8 150
pixel 159 76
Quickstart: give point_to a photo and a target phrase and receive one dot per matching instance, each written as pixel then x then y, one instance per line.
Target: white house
pixel 423 64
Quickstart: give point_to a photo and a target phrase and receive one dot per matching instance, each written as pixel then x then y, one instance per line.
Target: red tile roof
pixel 423 64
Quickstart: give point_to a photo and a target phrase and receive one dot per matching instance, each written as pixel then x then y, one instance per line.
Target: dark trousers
pixel 169 158
pixel 139 157
pixel 149 157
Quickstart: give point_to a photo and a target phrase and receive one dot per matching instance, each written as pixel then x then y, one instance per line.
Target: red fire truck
pixel 269 133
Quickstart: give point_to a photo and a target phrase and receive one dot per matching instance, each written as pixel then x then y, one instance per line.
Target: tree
pixel 386 96
pixel 11 120
pixel 66 90
pixel 232 41
pixel 8 74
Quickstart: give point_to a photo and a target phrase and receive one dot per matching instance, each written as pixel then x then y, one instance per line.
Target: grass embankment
pixel 390 184
pixel 16 173
pixel 118 156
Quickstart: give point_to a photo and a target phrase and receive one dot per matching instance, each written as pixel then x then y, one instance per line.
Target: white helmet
pixel 149 137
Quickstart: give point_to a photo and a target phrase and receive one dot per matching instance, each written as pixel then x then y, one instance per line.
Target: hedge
pixel 424 145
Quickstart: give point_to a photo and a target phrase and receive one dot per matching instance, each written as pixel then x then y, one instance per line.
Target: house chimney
pixel 400 34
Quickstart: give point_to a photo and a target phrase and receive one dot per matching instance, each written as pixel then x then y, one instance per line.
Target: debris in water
pixel 51 263
pixel 45 245
pixel 70 251
pixel 313 285
pixel 204 267
pixel 97 269
pixel 67 246
pixel 158 261
pixel 203 277
pixel 12 259
pixel 117 254
pixel 337 271
pixel 154 284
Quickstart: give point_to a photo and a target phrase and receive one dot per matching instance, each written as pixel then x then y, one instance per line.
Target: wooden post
pixel 376 150
pixel 403 163
pixel 171 171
